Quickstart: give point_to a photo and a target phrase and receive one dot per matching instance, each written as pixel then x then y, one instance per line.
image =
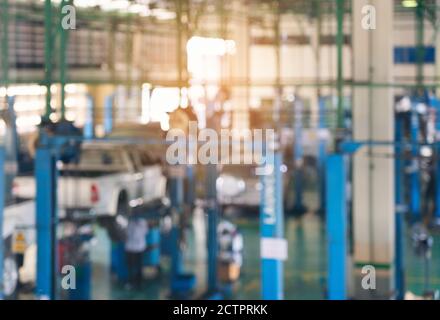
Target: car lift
pixel 435 103
pixel 337 210
pixel 181 283
pixel 213 292
pixel 401 207
pixel 336 179
pixel 415 186
pixel 49 152
pixel 273 245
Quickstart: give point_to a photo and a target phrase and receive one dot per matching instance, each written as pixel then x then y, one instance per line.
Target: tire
pixel 10 277
pixel 117 226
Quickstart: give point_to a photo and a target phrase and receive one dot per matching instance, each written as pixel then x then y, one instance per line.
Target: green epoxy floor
pixel 305 269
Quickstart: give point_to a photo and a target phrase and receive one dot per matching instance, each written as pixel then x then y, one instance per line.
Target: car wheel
pixel 10 277
pixel 117 226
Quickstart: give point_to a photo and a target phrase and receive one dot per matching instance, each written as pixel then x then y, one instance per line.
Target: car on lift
pixel 107 183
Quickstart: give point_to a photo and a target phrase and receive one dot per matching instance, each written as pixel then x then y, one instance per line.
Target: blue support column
pixel 108 114
pixel 415 194
pixel 337 227
pixel 46 177
pixel 89 126
pixel 400 209
pixel 212 212
pixel 176 194
pixel 436 104
pixel 182 283
pixel 2 206
pixel 273 246
pixel 322 154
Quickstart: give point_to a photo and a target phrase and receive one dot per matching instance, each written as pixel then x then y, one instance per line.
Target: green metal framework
pixel 121 31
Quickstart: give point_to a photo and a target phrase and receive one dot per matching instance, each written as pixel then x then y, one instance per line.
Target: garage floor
pixel 304 270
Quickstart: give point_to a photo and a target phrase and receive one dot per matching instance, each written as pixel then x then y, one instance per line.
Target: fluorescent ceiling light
pixel 410 3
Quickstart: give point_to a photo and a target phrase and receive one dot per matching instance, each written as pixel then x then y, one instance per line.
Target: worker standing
pixel 135 246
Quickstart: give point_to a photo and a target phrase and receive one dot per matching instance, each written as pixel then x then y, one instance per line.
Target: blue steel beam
pixel 212 227
pixel 435 103
pixel 272 227
pixel 400 209
pixel 176 195
pixel 46 215
pixel 415 194
pixel 336 227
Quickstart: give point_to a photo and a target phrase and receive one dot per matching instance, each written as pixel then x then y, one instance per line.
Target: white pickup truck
pixel 108 181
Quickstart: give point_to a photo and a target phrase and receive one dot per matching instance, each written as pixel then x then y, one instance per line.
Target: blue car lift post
pixel 273 245
pixel 415 187
pixel 181 283
pixel 435 103
pixel 49 152
pixel 400 207
pixel 298 208
pixel 213 292
pixel 46 221
pixel 2 207
pixel 336 178
pixel 337 214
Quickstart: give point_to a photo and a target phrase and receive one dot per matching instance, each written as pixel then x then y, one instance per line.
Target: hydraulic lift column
pixel 273 244
pixel 212 244
pixel 181 283
pixel 46 184
pixel 336 179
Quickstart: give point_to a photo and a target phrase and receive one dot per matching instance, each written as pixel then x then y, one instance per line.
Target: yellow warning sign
pixel 19 242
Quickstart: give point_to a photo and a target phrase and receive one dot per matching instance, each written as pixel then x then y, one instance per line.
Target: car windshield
pixel 110 159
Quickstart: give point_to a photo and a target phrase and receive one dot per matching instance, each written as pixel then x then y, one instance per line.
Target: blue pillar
pixel 272 231
pixel 336 227
pixel 89 126
pixel 436 104
pixel 108 114
pixel 176 194
pixel 46 177
pixel 400 208
pixel 415 194
pixel 2 206
pixel 212 212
